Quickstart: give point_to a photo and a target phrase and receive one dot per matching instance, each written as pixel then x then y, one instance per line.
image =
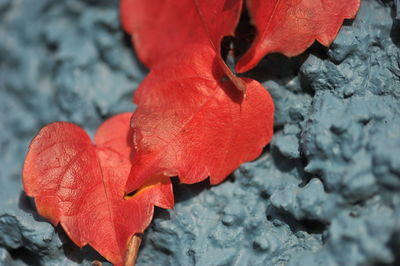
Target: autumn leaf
pixel 162 27
pixel 291 26
pixel 191 122
pixel 81 185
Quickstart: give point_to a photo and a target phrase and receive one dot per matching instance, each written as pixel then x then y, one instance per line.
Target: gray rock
pixel 325 192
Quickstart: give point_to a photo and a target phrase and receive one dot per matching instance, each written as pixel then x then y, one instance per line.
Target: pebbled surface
pixel 325 192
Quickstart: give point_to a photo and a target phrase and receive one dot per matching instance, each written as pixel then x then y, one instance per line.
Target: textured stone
pixel 325 192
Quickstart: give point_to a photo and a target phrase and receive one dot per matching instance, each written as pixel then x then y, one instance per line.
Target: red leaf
pixel 161 27
pixel 81 185
pixel 191 122
pixel 291 26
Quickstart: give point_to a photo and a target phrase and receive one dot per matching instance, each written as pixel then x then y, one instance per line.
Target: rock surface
pixel 325 192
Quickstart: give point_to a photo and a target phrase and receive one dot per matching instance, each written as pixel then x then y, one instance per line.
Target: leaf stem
pixel 133 249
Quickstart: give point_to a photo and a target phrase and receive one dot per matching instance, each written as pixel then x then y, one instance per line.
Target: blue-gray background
pixel 325 192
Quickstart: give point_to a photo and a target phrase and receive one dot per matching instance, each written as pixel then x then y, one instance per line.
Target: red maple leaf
pixel 191 122
pixel 291 26
pixel 81 185
pixel 162 27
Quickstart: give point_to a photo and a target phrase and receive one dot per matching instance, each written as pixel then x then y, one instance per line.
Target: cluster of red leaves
pixel 194 119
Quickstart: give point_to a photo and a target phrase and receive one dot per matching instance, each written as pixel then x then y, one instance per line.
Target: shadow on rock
pixel 184 192
pixel 395 31
pixel 75 253
pixel 71 251
pixel 26 256
pixel 27 204
pixel 278 217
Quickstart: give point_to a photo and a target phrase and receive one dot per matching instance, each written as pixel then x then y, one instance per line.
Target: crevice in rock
pixel 307 225
pixel 25 255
